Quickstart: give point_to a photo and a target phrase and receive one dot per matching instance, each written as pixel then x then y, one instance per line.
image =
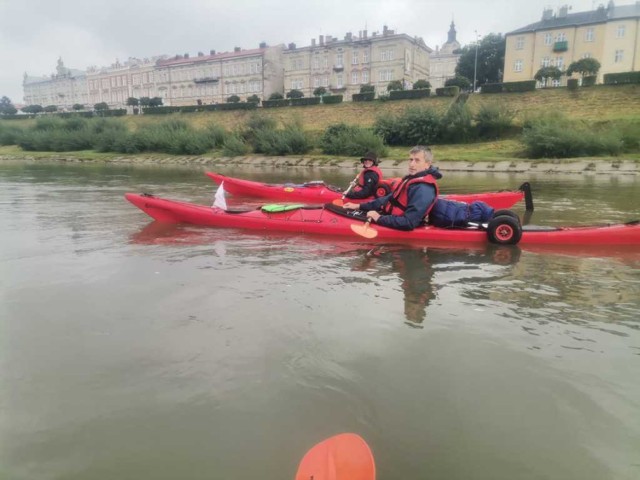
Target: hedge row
pixel 363 97
pixel 409 94
pixel 198 108
pixel 624 77
pixel 329 99
pixel 15 116
pixel 296 102
pixel 448 91
pixel 525 86
pixel 282 102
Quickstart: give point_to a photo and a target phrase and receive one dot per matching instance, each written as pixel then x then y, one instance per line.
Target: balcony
pixel 338 89
pixel 338 68
pixel 561 46
pixel 206 80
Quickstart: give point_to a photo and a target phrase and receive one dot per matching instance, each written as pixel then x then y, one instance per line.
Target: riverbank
pixel 444 160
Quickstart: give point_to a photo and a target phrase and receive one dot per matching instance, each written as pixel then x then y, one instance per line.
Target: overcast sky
pixel 34 33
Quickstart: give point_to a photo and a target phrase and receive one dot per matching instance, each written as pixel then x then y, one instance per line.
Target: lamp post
pixel 475 64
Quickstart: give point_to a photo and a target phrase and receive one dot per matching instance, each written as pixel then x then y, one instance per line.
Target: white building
pixel 64 88
pixel 445 60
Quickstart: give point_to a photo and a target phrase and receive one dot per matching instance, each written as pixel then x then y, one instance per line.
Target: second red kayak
pixel 318 192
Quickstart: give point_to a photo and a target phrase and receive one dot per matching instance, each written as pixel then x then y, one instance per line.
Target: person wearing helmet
pixel 368 178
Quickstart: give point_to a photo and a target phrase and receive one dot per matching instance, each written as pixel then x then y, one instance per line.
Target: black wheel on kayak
pixel 504 230
pixel 382 190
pixel 506 212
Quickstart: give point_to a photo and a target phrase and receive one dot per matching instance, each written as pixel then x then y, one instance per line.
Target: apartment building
pixel 64 88
pixel 609 34
pixel 342 66
pixel 444 60
pixel 207 79
pixel 113 85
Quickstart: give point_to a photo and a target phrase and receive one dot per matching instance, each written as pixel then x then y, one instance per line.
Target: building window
pixel 339 81
pixel 545 62
pixel 326 62
pixel 354 58
pixel 548 39
pixel 517 66
pixel 386 55
pixel 559 62
pixel 316 62
pixel 354 78
pixel 325 81
pixel 620 31
pixel 586 55
pixel 386 75
pixel 619 54
pixel 365 77
pixel 588 35
pixel 555 82
pixel 316 82
pixel 561 37
pixel 339 61
pixel 519 43
pixel 365 57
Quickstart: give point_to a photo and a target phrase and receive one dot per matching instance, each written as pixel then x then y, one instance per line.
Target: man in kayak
pixel 368 178
pixel 407 206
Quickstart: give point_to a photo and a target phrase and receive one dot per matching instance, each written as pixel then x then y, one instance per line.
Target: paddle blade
pixel 342 457
pixel 364 230
pixel 338 202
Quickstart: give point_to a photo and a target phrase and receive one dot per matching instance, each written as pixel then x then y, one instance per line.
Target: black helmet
pixel 370 156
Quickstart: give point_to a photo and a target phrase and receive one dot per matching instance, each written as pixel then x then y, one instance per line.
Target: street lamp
pixel 475 64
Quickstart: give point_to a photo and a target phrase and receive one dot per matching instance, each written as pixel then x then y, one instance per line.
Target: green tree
pixel 133 102
pixel 155 102
pixel 367 88
pixel 421 84
pixel 584 66
pixel 33 109
pixel 548 73
pixel 490 60
pixel 458 81
pixel 78 106
pixel 295 94
pixel 319 92
pixel 276 96
pixel 6 107
pixel 99 107
pixel 51 108
pixel 145 101
pixel 395 85
pixel 233 99
pixel 253 99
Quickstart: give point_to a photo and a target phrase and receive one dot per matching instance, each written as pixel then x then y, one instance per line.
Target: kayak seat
pixel 343 212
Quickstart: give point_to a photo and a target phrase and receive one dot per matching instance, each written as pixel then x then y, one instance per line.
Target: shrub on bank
pixel 413 127
pixel 9 134
pixel 494 121
pixel 455 125
pixel 292 139
pixel 554 136
pixel 350 140
pixel 234 146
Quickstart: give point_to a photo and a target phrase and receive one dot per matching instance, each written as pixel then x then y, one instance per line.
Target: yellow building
pixel 609 34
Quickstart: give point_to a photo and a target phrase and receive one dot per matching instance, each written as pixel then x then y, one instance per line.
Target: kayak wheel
pixel 504 230
pixel 509 213
pixel 382 190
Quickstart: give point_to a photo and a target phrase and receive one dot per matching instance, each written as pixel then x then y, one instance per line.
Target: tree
pixel 51 108
pixel 233 99
pixel 395 85
pixel 78 106
pixel 458 81
pixel 421 84
pixel 253 99
pixel 133 102
pixel 155 102
pixel 6 107
pixel 295 94
pixel 584 66
pixel 490 60
pixel 367 89
pixel 276 96
pixel 101 106
pixel 33 109
pixel 145 101
pixel 319 92
pixel 548 73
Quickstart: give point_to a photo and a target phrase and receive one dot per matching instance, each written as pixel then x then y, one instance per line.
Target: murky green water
pixel 134 350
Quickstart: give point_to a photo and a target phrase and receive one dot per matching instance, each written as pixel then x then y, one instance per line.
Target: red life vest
pixel 372 169
pixel 399 199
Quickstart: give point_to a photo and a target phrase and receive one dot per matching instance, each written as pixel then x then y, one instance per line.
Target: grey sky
pixel 34 33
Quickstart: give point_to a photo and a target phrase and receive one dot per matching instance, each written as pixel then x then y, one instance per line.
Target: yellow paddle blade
pixel 364 230
pixel 338 202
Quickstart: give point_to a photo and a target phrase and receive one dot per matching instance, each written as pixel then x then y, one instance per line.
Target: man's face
pixel 417 162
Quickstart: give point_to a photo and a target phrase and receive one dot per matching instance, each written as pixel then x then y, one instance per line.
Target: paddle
pixel 342 457
pixel 338 202
pixel 364 230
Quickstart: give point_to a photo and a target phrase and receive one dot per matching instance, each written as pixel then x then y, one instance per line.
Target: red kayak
pixel 331 220
pixel 318 192
pixel 341 457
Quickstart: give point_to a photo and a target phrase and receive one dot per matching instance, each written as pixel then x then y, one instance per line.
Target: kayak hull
pixel 324 221
pixel 319 193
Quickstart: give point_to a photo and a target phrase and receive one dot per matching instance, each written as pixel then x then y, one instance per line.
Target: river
pixel 136 350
